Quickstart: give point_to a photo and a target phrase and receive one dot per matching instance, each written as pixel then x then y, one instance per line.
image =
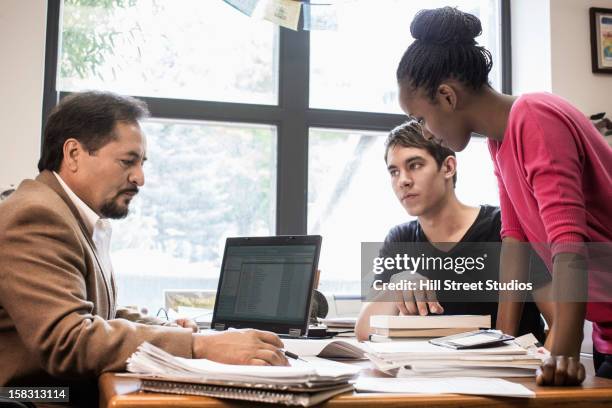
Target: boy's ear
pixel 449 166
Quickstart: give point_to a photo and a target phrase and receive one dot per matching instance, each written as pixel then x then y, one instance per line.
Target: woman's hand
pixel 560 371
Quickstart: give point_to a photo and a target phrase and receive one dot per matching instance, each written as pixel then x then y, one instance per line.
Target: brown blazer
pixel 58 319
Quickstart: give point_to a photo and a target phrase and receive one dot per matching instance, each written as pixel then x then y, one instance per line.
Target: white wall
pixel 571 57
pixel 22 46
pixel 551 52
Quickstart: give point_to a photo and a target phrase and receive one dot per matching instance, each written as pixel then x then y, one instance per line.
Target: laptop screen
pixel 266 282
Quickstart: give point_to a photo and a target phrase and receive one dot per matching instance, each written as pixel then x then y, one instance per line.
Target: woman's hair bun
pixel 445 26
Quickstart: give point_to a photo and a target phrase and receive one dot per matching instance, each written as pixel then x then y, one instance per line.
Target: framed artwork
pixel 601 39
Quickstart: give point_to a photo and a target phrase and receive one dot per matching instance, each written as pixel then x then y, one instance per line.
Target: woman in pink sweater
pixel 555 181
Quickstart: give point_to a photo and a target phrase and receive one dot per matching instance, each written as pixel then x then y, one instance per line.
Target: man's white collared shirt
pixel 100 229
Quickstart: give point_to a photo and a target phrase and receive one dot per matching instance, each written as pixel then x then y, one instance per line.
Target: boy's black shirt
pixel 485 229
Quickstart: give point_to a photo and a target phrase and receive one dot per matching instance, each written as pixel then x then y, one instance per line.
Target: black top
pixel 485 229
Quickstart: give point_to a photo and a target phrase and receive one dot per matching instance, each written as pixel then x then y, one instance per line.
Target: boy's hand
pixel 415 302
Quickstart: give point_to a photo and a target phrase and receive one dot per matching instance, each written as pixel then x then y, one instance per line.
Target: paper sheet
pixel 456 385
pixel 487 372
pixel 424 348
pixel 245 6
pixel 283 12
pixel 312 366
pixel 321 17
pixel 149 359
pixel 342 322
pixel 328 348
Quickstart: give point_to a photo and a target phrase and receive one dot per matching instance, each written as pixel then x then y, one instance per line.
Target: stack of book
pixel 387 327
pixel 339 322
pixel 304 383
pixel 420 358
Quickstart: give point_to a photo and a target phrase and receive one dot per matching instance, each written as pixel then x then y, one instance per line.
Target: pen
pixel 293 355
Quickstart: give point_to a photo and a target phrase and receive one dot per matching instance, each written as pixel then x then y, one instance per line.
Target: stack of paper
pixel 426 326
pixel 340 322
pixel 420 358
pixel 303 383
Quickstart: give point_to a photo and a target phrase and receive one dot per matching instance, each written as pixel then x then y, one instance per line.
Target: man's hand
pixel 187 323
pixel 246 347
pixel 560 370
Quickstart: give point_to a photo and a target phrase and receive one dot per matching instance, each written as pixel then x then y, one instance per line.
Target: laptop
pixel 266 283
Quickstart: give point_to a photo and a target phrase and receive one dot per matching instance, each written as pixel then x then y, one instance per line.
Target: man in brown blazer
pixel 59 323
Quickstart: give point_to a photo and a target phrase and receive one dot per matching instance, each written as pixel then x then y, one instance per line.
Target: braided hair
pixel 444 48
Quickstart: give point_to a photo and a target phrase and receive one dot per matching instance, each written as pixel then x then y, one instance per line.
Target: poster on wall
pixel 601 40
pixel 606 38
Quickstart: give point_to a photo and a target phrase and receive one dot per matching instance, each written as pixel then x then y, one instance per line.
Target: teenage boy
pixel 423 176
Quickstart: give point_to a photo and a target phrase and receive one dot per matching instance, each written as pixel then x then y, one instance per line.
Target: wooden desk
pixel 123 392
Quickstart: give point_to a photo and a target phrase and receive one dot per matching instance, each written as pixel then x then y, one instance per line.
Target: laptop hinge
pixel 295 332
pixel 219 326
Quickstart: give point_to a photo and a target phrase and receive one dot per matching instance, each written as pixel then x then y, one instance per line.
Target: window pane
pixel 476 182
pixel 204 182
pixel 350 199
pixel 188 49
pixel 353 68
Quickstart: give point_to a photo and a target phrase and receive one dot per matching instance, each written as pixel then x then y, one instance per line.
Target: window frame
pixel 292 116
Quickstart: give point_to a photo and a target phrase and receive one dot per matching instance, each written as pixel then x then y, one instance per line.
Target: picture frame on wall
pixel 601 39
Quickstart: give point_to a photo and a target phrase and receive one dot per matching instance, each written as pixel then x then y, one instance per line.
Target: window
pixel 353 67
pixel 204 182
pixel 155 48
pixel 255 130
pixel 476 182
pixel 350 199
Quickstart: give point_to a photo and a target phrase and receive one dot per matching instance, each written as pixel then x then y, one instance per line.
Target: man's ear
pixel 447 96
pixel 73 151
pixel 449 166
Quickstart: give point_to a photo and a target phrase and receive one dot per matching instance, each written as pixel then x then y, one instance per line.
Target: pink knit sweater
pixel 554 171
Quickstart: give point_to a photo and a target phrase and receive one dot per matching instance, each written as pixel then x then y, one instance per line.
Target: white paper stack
pixel 421 358
pixel 340 322
pixel 302 383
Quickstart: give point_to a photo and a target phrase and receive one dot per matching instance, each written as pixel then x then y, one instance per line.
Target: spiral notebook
pixel 304 399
